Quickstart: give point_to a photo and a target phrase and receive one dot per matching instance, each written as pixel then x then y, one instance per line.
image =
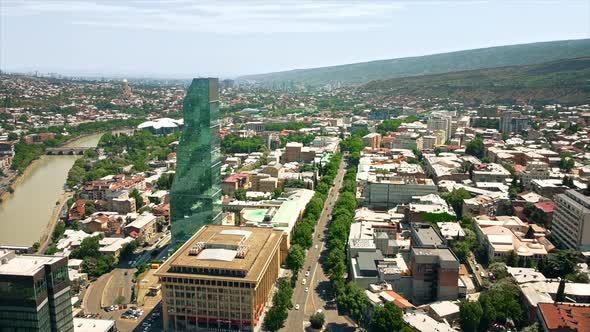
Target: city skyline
pixel 139 38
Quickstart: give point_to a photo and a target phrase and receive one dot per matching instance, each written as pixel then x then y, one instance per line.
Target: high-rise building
pixel 220 279
pixel 195 198
pixel 34 293
pixel 571 220
pixel 513 121
pixel 126 89
pixel 441 121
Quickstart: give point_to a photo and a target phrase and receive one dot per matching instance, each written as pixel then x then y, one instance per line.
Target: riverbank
pixel 20 176
pixel 18 179
pixel 46 236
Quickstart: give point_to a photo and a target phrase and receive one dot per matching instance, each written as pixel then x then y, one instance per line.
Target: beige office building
pixel 220 279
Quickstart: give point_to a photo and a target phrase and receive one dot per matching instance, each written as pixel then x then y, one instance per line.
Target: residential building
pixel 195 198
pixel 441 121
pixel 435 274
pixel 421 321
pixel 220 279
pixel 426 208
pixel 35 293
pixel 571 220
pixel 143 227
pixel 426 142
pixel 502 235
pixel 372 140
pixel 424 235
pixel 564 317
pixel 513 121
pixel 535 170
pixel 235 182
pixel 490 173
pixel 386 192
pixel 405 140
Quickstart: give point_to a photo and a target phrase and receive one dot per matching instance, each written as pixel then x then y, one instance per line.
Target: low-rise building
pixel 94 325
pixel 143 227
pixel 490 173
pixel 562 317
pixel 503 235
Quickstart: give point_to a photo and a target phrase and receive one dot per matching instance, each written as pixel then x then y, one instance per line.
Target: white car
pixel 297 307
pixel 307 273
pixel 304 281
pixel 306 289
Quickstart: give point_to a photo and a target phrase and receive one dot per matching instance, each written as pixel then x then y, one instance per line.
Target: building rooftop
pixel 366 260
pixel 422 322
pixel 142 221
pixel 450 229
pixel 425 235
pixel 565 317
pixel 26 265
pixel 400 301
pixel 444 308
pixel 92 325
pixel 214 248
pixel 443 254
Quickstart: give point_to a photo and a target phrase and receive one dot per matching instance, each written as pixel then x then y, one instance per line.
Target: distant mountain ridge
pixel 359 73
pixel 564 81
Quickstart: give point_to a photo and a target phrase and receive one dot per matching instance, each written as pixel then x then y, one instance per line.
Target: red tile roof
pixel 547 206
pixel 565 317
pixel 399 300
pixel 235 177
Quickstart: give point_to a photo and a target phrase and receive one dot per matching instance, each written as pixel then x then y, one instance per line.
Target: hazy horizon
pixel 183 39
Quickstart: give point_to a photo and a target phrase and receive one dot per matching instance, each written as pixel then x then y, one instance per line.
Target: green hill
pixel 358 73
pixel 565 81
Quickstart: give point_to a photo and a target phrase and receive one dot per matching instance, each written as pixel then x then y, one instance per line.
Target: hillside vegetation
pixel 564 81
pixel 358 73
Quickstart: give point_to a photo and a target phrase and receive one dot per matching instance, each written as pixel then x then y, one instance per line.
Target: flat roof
pixel 223 242
pixel 444 254
pixel 366 260
pixel 427 235
pixel 27 265
pixel 92 325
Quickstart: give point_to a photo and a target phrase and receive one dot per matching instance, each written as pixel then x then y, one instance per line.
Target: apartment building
pixel 490 173
pixel 383 193
pixel 220 279
pixel 435 274
pixel 372 140
pixel 513 121
pixel 441 121
pixel 34 293
pixel 571 220
pixel 535 170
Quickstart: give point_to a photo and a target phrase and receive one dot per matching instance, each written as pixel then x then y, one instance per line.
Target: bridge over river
pixel 68 150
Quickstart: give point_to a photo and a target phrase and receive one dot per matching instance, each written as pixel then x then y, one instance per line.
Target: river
pixel 25 214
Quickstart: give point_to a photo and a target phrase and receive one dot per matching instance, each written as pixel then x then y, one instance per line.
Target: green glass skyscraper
pixel 195 198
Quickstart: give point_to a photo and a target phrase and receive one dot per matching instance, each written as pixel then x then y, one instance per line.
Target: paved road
pixel 120 284
pixel 93 295
pixel 317 282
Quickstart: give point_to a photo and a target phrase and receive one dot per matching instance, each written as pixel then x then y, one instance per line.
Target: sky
pixel 183 39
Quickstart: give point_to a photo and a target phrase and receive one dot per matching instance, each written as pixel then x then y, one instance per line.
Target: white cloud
pixel 225 17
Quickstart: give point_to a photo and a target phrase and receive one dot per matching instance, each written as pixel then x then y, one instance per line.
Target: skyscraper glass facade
pixel 38 299
pixel 195 198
